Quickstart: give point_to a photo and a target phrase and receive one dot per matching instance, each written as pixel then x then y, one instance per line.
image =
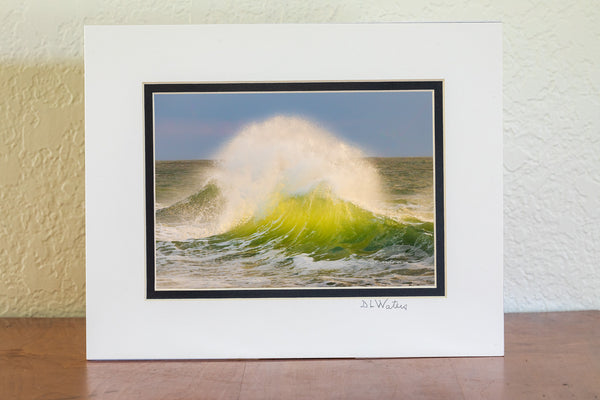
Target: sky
pixel 190 126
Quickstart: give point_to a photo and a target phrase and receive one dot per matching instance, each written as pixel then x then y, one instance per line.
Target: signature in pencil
pixel 383 304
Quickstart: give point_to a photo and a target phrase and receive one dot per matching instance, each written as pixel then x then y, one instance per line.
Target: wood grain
pixel 548 356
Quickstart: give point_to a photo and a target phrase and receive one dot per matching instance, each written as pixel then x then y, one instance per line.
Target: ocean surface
pixel 303 211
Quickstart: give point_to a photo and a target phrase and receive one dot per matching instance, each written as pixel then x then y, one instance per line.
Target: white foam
pixel 286 156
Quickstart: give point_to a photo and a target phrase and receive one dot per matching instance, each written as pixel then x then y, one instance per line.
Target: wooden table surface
pixel 548 356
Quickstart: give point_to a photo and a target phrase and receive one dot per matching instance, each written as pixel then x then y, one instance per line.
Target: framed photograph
pixel 293 191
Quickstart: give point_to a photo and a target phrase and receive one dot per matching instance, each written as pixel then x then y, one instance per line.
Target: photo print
pixel 294 189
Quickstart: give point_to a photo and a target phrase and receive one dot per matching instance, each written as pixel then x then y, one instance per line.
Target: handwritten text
pixel 383 304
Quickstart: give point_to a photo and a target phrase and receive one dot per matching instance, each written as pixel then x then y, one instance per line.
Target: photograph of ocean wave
pixel 294 190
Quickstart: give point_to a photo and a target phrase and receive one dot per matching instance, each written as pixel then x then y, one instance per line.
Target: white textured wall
pixel 551 136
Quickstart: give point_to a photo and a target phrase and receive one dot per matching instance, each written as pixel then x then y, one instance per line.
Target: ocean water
pixel 286 204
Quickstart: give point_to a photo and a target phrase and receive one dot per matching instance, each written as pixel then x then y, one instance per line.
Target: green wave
pixel 324 227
